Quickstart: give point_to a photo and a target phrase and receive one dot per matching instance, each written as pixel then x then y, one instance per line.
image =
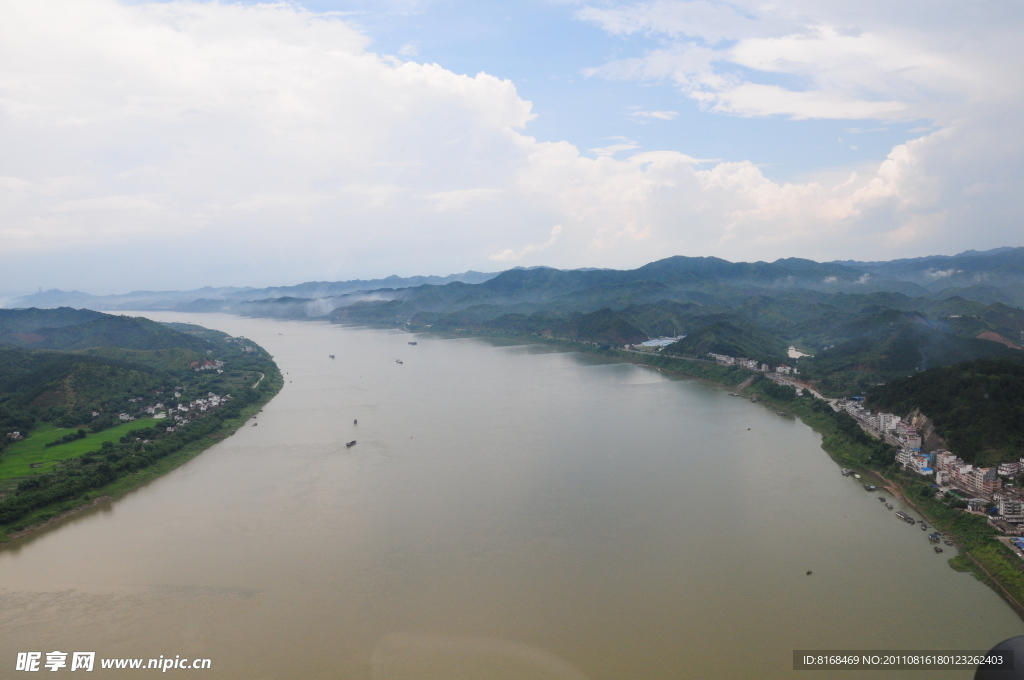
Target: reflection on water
pixel 508 511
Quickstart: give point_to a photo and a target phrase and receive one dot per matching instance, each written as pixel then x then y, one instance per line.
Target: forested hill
pixel 857 324
pixel 87 399
pixel 62 366
pixel 976 406
pixel 71 329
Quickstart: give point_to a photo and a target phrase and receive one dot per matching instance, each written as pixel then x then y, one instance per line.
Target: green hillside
pixel 104 331
pixel 723 337
pixel 67 389
pixel 977 406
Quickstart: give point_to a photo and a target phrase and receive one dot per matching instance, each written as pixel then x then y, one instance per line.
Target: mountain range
pixel 862 323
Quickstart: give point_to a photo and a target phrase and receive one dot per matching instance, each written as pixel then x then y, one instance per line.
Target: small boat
pixel 753 399
pixel 356 421
pixel 937 549
pixel 398 361
pixel 856 476
pixel 809 573
pixel 924 527
pixel 412 343
pixel 870 487
pixel 948 542
pixel 331 355
pixel 846 472
pixel 733 394
pixel 888 506
pixel 350 444
pixel 782 413
pixel 881 498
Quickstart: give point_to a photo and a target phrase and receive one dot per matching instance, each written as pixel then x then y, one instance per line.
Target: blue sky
pixel 188 143
pixel 545 50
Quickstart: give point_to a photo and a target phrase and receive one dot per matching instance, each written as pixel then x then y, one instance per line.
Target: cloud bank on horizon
pixel 179 144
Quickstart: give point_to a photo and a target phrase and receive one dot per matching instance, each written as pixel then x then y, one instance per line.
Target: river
pixel 508 511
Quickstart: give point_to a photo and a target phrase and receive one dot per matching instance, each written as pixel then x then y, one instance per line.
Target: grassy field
pixel 128 483
pixel 20 456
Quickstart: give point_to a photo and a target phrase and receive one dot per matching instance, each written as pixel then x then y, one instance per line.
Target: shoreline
pixel 1011 592
pixel 42 520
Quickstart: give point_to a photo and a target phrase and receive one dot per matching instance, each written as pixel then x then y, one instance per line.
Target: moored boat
pixel 350 444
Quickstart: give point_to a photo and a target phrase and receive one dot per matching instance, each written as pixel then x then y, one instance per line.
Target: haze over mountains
pixel 865 323
pixel 990 276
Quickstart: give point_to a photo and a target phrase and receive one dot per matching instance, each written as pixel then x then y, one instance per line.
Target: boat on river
pixel 398 361
pixel 938 549
pixel 412 343
pixel 881 498
pixel 846 472
pixel 905 517
pixel 870 487
pixel 350 444
pixel 889 506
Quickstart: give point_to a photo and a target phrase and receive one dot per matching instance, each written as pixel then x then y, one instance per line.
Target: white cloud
pixel 870 61
pixel 182 144
pixel 612 149
pixel 659 115
pixel 941 273
pixel 509 255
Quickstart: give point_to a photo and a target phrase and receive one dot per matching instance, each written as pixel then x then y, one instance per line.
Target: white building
pixel 1012 510
pixel 1009 469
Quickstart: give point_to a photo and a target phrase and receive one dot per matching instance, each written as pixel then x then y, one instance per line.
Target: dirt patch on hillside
pixel 995 337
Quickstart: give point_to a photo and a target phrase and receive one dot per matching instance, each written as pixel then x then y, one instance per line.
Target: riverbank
pixel 980 552
pixel 51 514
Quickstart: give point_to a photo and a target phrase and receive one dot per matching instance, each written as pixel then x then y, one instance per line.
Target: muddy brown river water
pixel 507 512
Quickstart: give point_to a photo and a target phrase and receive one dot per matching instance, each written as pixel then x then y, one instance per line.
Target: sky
pixel 173 145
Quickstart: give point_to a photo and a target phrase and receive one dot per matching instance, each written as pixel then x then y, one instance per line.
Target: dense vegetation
pixel 861 332
pixel 723 337
pixel 977 406
pixel 118 368
pixel 865 323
